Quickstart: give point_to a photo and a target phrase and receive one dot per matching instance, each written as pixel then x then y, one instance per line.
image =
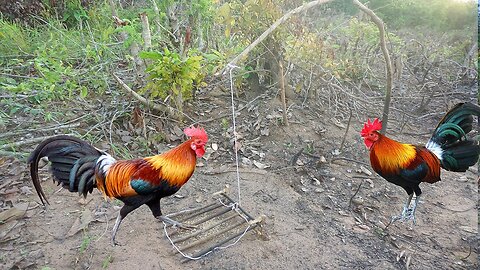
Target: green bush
pixel 169 74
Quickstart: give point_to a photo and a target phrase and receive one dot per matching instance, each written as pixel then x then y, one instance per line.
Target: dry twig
pixel 274 26
pixel 143 100
pixel 388 61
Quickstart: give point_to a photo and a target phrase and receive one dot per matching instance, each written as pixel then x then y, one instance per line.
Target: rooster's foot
pixel 115 243
pixel 176 224
pixel 407 214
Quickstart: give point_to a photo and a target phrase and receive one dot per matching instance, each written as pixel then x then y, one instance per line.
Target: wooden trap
pixel 217 225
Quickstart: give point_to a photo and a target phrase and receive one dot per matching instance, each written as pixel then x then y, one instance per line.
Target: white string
pixel 231 67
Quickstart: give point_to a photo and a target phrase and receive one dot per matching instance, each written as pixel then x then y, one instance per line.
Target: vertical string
pixel 231 67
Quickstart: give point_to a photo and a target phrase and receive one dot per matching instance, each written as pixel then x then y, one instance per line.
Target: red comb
pixel 371 126
pixel 196 132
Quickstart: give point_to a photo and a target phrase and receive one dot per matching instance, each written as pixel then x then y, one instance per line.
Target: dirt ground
pixel 323 210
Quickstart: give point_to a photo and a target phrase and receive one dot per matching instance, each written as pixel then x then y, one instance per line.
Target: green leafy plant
pixel 172 76
pixel 74 14
pixel 107 261
pixel 85 241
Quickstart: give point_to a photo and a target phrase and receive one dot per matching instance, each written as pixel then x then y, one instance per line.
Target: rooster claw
pixel 407 214
pixel 115 244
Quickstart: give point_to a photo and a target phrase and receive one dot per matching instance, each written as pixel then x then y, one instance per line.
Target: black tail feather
pixel 460 156
pixel 64 152
pixel 458 151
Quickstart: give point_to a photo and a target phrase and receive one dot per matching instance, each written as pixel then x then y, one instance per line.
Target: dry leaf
pixel 338 123
pixel 81 222
pixel 12 214
pixel 260 165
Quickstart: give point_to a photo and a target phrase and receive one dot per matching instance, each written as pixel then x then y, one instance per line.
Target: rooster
pixel 80 167
pixel 407 165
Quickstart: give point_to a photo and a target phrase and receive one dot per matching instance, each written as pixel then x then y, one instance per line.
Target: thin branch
pixel 283 19
pixel 282 92
pixel 346 130
pixel 147 37
pixel 20 155
pixel 355 194
pixel 24 142
pixel 18 132
pixel 156 17
pixel 143 100
pixel 388 61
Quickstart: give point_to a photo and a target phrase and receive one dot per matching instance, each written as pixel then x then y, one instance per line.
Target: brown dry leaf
pixel 238 146
pixel 81 222
pixel 2 160
pixel 260 165
pixel 177 131
pixel 13 213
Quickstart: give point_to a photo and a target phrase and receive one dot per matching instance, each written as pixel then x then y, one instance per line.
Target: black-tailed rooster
pixel 81 167
pixel 408 165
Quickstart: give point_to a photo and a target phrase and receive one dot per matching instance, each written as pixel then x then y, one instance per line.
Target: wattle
pixel 368 143
pixel 200 152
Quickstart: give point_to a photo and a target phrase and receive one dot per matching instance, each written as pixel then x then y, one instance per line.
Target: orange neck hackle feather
pixel 389 156
pixel 176 165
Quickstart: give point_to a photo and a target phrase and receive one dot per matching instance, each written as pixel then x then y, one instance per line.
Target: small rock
pixel 358 200
pixel 336 152
pixel 246 161
pixel 26 190
pixel 304 189
pixel 214 146
pixel 323 159
pixel 319 190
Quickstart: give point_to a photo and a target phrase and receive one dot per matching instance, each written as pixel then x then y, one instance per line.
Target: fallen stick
pixel 143 100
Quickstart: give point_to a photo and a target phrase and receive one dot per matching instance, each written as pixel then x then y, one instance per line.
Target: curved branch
pixel 388 61
pixel 284 18
pixel 143 100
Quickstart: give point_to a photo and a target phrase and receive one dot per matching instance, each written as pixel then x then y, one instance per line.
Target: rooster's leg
pixel 115 228
pixel 126 209
pixel 406 210
pixel 414 208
